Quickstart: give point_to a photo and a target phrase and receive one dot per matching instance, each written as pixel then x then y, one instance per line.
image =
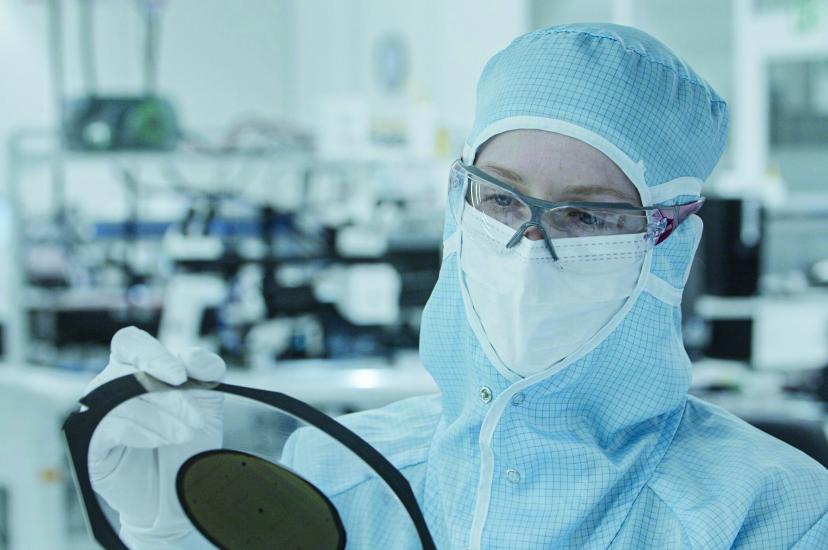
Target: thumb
pixel 139 349
pixel 202 364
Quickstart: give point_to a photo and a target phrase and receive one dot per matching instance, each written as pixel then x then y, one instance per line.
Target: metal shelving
pixel 37 149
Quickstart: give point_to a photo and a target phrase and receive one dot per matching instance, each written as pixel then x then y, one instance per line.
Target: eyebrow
pixel 586 191
pixel 504 172
pixel 573 191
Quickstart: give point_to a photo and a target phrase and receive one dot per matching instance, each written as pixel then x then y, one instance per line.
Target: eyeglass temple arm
pixel 676 214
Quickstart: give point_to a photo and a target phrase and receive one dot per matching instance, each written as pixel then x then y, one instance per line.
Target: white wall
pixel 699 31
pixel 558 12
pixel 25 98
pixel 333 45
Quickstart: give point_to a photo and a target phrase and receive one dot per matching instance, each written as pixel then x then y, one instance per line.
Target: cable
pixel 56 55
pixel 152 40
pixel 58 179
pixel 87 46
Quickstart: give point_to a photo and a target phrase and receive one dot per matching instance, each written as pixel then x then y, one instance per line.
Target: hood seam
pixel 642 55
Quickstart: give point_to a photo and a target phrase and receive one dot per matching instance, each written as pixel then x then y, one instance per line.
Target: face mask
pixel 534 311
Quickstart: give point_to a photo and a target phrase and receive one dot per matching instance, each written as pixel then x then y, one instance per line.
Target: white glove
pixel 139 446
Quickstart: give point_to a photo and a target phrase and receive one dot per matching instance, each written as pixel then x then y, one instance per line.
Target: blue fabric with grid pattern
pixel 616 81
pixel 610 451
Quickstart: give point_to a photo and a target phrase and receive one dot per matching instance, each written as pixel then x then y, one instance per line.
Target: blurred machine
pixel 755 288
pixel 343 272
pixel 757 318
pixel 308 275
pixel 246 240
pixel 94 122
pixel 731 246
pixel 729 256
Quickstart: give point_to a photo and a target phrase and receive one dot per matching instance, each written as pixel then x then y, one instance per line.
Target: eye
pixel 503 200
pixel 591 220
pixel 498 200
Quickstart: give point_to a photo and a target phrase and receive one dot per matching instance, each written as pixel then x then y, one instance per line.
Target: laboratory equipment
pixel 345 267
pixel 756 294
pixel 309 519
pixel 729 269
pixel 731 245
pixel 818 273
pixel 120 123
pixel 187 297
pixel 96 122
pixel 790 333
pixel 227 474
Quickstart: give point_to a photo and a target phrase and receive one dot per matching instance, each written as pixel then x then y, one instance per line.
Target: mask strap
pixel 663 291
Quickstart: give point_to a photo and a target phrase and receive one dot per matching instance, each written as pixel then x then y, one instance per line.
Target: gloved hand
pixel 138 448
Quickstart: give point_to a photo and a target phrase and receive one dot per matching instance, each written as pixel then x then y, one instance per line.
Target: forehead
pixel 550 164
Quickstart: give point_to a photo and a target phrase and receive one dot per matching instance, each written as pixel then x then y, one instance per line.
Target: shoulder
pixel 730 484
pixel 401 432
pixel 400 428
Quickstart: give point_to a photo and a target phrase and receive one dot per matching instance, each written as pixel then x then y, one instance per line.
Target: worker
pixel 553 332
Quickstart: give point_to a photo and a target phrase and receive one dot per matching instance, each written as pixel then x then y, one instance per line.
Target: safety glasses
pixel 504 206
pixel 239 500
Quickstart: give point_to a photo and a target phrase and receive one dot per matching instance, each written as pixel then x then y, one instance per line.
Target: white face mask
pixel 533 311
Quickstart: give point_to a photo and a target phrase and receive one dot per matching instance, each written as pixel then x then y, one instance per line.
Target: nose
pixel 533 233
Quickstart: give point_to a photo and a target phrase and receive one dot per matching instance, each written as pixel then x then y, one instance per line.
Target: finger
pixel 202 364
pixel 112 371
pixel 162 416
pixel 139 425
pixel 133 432
pixel 178 404
pixel 137 348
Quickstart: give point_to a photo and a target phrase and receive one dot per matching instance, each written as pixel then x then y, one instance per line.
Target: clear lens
pixel 498 203
pixel 581 221
pixel 457 190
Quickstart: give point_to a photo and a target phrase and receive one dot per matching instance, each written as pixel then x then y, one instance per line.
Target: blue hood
pixel 592 433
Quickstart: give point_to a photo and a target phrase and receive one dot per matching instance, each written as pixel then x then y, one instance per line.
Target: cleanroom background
pixel 285 206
